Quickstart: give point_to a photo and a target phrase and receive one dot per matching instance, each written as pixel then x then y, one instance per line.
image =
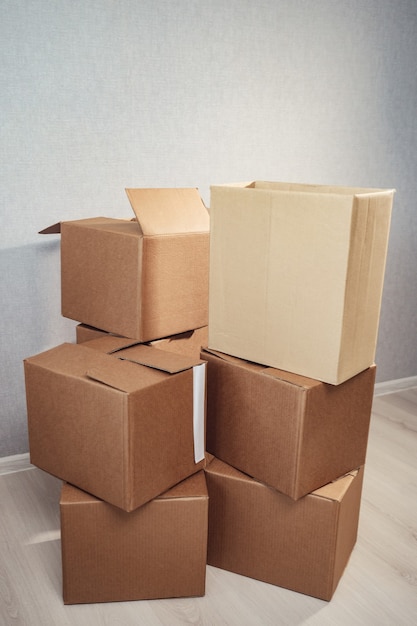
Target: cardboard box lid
pixel 169 211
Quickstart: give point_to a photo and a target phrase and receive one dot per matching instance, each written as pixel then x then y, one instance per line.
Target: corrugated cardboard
pixel 123 422
pixel 296 275
pixel 144 279
pixel 258 532
pixel 293 433
pixel 188 344
pixel 157 551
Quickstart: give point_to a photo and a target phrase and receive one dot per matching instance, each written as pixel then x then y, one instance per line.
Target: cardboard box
pixel 296 275
pixel 293 433
pixel 122 422
pixel 258 532
pixel 144 279
pixel 157 551
pixel 188 343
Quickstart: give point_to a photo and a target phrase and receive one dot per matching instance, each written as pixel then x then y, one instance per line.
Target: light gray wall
pixel 99 95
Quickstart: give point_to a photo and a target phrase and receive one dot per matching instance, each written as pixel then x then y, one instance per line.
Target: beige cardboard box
pixel 122 422
pixel 293 433
pixel 157 551
pixel 188 343
pixel 258 532
pixel 296 275
pixel 144 279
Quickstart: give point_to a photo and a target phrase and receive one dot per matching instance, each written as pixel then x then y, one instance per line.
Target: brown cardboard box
pixel 296 275
pixel 144 279
pixel 188 343
pixel 157 551
pixel 122 422
pixel 293 433
pixel 258 532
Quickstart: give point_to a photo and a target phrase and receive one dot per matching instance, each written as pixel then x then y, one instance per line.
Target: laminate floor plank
pixel 378 588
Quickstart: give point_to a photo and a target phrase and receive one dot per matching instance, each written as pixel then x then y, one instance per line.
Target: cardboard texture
pixel 188 343
pixel 145 278
pixel 293 433
pixel 117 420
pixel 304 546
pixel 296 275
pixel 157 551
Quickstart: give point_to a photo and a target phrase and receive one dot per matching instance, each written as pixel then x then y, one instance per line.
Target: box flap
pixel 337 489
pixel 169 362
pixel 193 487
pixel 110 343
pixel 169 211
pixel 122 376
pixel 55 229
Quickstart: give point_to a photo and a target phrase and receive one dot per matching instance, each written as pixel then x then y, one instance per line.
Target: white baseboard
pixel 15 463
pixel 21 462
pixel 391 386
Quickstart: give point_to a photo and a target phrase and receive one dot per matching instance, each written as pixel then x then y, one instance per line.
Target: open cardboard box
pixel 157 551
pixel 258 532
pixel 188 343
pixel 145 278
pixel 291 432
pixel 123 422
pixel 296 275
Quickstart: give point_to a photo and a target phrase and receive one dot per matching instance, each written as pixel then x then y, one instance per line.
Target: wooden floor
pixel 378 588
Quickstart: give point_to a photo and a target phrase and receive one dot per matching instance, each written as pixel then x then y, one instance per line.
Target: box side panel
pixel 161 442
pixel 347 526
pixel 76 431
pixel 278 267
pixel 238 270
pixel 99 277
pixel 308 254
pixel 158 551
pixel 335 430
pixel 253 422
pixel 175 284
pixel 257 532
pixel 369 244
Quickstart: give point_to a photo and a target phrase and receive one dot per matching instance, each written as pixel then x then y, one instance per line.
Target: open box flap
pixel 337 489
pixel 110 343
pixel 55 229
pixel 169 211
pixel 124 377
pixel 169 362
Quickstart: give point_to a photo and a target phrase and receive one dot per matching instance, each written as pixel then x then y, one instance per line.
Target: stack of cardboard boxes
pixel 122 420
pixel 296 276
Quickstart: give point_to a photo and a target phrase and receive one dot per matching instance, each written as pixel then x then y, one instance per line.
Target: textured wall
pixel 99 95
